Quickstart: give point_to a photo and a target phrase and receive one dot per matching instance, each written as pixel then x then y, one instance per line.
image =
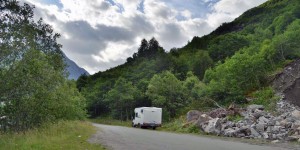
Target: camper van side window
pixel 142 111
pixel 136 115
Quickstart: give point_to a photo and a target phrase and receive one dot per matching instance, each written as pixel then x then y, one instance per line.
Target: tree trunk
pixel 121 114
pixel 126 114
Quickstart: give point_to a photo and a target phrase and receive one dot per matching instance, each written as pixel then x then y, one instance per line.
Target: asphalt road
pixel 124 138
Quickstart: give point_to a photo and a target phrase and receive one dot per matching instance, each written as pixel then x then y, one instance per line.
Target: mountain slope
pixel 234 61
pixel 274 15
pixel 73 69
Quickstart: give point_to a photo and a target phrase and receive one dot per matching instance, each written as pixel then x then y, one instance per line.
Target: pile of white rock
pixel 284 125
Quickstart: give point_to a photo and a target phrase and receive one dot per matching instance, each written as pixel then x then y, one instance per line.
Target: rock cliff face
pixel 287 83
pixel 74 70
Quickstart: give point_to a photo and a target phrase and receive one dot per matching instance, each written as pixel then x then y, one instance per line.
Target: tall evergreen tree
pixel 142 51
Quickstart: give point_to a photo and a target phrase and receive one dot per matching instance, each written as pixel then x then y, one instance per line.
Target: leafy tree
pixel 226 45
pixel 166 91
pixel 237 76
pixel 286 45
pixel 194 87
pixel 34 93
pixel 95 97
pixel 197 62
pixel 201 63
pixel 33 85
pixel 121 98
pixel 20 33
pixel 81 81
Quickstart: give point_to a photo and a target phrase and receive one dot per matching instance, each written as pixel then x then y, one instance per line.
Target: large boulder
pixel 252 108
pixel 193 115
pixel 230 132
pixel 263 120
pixel 214 126
pixel 254 133
pixel 260 127
pixel 203 120
pixel 295 114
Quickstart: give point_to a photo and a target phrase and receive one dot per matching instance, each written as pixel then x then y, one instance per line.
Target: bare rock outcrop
pixel 287 83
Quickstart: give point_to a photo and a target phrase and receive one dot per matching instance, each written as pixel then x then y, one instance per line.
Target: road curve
pixel 124 138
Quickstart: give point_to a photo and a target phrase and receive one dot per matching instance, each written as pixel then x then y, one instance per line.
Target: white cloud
pixel 227 10
pixel 100 34
pixel 187 14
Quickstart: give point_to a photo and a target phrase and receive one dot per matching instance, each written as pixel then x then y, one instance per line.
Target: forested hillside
pixel 234 62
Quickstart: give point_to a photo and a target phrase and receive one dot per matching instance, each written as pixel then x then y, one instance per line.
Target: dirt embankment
pixel 288 82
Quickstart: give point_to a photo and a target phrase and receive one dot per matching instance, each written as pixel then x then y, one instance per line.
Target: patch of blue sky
pixel 141 7
pixel 113 3
pixel 198 8
pixel 53 2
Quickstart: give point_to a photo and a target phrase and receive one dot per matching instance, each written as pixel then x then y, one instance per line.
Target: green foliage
pixel 266 97
pixel 121 98
pixel 286 45
pixel 16 22
pixel 34 89
pixel 197 62
pixel 179 125
pixel 226 45
pixel 166 91
pixel 237 76
pixel 146 50
pixel 40 94
pixel 224 67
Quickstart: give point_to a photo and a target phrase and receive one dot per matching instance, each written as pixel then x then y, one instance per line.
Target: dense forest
pixel 34 89
pixel 235 62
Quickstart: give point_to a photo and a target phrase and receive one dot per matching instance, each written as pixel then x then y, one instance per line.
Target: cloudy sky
pixel 101 34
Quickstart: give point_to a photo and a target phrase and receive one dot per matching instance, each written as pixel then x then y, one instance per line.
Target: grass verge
pixel 60 136
pixel 110 121
pixel 179 125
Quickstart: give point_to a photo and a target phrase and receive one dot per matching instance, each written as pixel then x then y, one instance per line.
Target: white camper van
pixel 147 117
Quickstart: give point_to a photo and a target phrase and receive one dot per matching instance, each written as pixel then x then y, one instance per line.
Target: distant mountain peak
pixel 73 69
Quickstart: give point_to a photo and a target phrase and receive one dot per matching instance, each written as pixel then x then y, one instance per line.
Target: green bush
pixel 179 125
pixel 266 97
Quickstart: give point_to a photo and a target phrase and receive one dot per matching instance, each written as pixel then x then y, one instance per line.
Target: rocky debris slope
pixel 288 82
pixel 254 122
